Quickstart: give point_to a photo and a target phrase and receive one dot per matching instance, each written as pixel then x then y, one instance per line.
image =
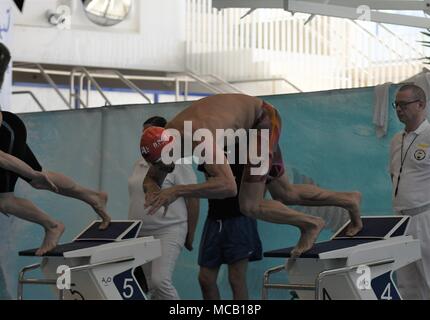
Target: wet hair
pixel 156 122
pixel 417 91
pixel 4 61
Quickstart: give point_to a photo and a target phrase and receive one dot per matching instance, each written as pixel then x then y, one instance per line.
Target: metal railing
pixel 91 82
pixel 31 94
pixel 83 80
pixel 48 79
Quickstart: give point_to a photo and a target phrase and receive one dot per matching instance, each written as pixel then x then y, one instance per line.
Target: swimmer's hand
pixel 156 200
pixel 189 242
pixel 41 180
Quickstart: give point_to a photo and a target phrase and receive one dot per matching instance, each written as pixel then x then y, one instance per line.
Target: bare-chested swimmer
pixel 238 112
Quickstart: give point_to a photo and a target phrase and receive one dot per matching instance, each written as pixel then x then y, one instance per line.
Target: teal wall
pixel 327 136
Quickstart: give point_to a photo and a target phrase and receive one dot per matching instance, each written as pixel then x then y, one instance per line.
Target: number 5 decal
pixel 128 288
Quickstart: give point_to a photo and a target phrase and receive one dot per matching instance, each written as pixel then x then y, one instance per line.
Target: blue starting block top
pixel 92 236
pixel 374 229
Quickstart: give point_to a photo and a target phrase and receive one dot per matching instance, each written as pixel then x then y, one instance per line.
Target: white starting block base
pixel 102 264
pixel 357 268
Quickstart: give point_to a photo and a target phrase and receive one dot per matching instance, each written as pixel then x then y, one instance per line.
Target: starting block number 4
pixel 384 287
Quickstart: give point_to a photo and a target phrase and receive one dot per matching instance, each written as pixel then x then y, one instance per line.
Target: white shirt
pixel 414 184
pixel 177 211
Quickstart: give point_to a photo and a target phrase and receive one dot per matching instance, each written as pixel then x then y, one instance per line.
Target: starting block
pixel 99 264
pixel 350 268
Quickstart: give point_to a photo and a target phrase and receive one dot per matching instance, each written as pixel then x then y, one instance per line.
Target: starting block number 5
pixel 127 286
pixel 128 290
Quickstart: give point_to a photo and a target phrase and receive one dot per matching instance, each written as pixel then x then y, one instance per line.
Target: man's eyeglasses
pixel 403 104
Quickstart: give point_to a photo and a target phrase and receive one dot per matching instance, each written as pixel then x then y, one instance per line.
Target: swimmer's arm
pixel 220 184
pixel 193 209
pixel 153 180
pixel 11 163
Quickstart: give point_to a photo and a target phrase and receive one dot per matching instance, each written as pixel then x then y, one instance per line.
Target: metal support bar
pixel 132 86
pixel 96 85
pixel 266 279
pixel 185 77
pixel 227 84
pixel 47 77
pixel 32 96
pixel 279 4
pixel 52 84
pixel 380 4
pixel 203 82
pixel 279 286
pixel 20 290
pixel 342 9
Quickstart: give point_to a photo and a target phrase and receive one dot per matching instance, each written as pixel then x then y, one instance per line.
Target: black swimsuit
pixel 13 140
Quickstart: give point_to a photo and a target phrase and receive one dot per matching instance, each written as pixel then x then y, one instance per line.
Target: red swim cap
pixel 153 140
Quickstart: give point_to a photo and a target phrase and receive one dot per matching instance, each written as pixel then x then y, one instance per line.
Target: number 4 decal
pixel 386 295
pixel 384 287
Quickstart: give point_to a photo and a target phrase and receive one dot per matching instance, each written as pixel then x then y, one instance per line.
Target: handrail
pixel 204 83
pixel 52 83
pixel 33 96
pixel 82 72
pixel 48 79
pixel 132 85
pixel 93 81
pixel 224 82
pixel 20 291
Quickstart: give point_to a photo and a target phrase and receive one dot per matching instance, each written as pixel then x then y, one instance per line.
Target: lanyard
pixel 402 161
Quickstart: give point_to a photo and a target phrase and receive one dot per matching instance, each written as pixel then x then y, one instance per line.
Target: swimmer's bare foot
pixel 354 212
pixel 52 235
pixel 99 206
pixel 308 237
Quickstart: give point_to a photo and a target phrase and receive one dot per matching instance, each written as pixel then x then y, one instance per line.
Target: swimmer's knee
pixel 206 280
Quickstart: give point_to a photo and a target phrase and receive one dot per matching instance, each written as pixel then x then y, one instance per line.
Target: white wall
pixel 152 38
